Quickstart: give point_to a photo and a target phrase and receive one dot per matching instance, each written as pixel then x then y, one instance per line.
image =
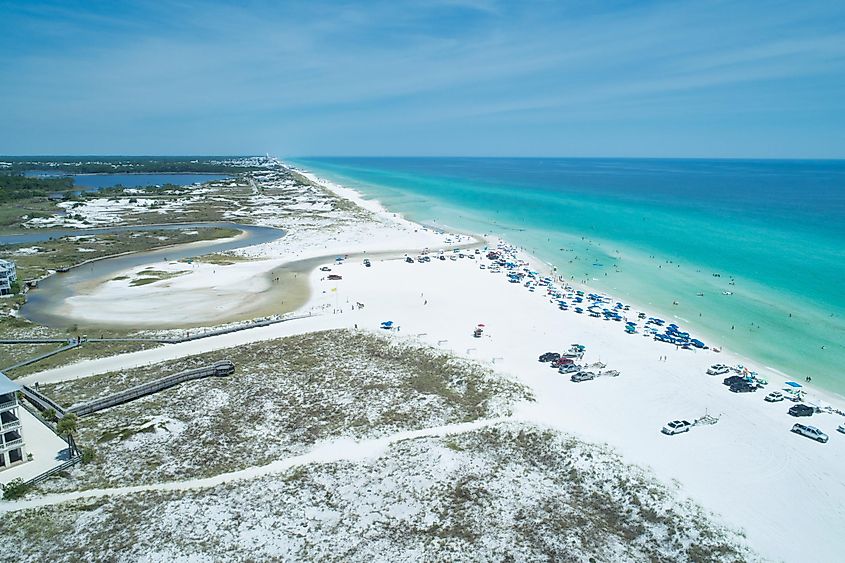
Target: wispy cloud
pixel 346 77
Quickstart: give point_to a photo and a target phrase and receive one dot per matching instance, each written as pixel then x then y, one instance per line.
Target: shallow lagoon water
pixel 655 232
pixel 43 302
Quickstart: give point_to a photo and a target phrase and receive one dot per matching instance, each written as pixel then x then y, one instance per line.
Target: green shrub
pixel 15 489
pixel 88 454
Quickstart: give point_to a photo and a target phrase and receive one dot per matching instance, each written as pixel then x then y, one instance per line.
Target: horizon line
pixel 488 157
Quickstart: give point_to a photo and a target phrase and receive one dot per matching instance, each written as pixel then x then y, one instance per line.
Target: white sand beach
pixel 786 492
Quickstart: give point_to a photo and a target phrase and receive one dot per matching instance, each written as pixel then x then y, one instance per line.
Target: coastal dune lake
pixel 750 253
pixel 45 304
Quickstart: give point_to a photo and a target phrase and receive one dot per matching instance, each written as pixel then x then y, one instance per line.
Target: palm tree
pixel 66 428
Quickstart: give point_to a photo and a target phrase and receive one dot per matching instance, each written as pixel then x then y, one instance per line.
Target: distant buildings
pixel 11 441
pixel 8 275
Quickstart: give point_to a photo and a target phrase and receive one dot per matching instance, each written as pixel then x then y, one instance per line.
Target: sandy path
pixel 328 452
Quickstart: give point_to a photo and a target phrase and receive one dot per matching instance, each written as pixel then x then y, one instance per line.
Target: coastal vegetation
pixel 504 487
pixel 113 165
pixel 149 276
pixel 287 394
pixel 23 198
pixel 14 187
pixel 510 489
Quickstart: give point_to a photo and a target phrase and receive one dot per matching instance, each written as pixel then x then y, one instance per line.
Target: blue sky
pixel 436 77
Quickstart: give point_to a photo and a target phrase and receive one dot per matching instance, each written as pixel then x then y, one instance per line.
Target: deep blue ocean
pixel 657 233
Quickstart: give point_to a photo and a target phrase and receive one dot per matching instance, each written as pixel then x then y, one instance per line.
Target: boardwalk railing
pixel 44 356
pixel 218 369
pixel 42 402
pixel 49 473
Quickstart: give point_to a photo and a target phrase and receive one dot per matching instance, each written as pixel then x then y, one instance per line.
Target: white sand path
pixel 327 452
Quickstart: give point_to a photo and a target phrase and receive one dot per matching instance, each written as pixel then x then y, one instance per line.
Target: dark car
pixel 733 380
pixel 801 410
pixel 743 387
pixel 549 357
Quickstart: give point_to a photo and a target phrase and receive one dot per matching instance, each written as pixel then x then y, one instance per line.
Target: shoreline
pixel 541 265
pixel 782 325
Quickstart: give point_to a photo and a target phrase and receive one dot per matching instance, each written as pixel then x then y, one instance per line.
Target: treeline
pixel 105 165
pixel 14 187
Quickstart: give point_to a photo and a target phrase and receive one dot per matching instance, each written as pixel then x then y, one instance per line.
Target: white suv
pixel 676 427
pixel 810 432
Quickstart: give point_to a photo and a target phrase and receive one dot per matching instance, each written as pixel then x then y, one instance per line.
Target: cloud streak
pixel 279 78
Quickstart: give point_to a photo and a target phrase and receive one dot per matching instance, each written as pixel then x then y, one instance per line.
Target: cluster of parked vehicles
pixel 426 256
pixel 565 364
pixel 749 383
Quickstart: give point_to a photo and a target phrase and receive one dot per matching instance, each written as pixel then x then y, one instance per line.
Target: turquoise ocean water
pixel 655 232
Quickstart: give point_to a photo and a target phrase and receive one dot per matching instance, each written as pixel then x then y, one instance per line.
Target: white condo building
pixel 8 275
pixel 11 440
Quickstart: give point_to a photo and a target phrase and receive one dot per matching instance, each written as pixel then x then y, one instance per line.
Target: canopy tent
pixel 793 384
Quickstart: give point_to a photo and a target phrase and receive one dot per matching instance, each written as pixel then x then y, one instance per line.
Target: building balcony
pixel 11 445
pixel 13 424
pixel 8 405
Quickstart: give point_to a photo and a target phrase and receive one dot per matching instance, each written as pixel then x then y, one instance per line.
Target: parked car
pixel 718 369
pixel 335 277
pixel 841 428
pixel 743 387
pixel 325 269
pixel 774 397
pixel 732 380
pixel 562 361
pixel 569 368
pixel 409 260
pixel 549 357
pixel 676 427
pixel 582 376
pixel 810 432
pixel 801 410
pixel 367 262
